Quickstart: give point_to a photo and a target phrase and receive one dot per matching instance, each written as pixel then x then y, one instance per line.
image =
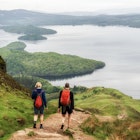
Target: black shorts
pixel 66 109
pixel 38 111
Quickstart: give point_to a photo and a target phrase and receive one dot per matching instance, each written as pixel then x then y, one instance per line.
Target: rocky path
pixel 52 129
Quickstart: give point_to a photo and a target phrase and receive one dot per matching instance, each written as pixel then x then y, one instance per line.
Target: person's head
pixel 38 85
pixel 67 85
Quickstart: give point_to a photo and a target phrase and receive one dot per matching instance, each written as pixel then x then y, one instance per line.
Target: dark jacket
pixel 71 98
pixel 36 92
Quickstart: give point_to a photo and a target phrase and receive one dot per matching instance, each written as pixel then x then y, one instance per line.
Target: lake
pixel 117 46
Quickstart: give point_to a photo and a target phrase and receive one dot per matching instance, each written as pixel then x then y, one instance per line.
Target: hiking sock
pixel 34 126
pixel 41 126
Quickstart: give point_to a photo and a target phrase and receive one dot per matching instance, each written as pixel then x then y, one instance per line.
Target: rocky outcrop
pixel 2 64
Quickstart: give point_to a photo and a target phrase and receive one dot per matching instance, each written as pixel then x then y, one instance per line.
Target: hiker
pixel 66 102
pixel 39 109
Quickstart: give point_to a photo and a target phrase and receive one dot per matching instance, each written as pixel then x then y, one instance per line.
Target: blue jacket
pixel 36 92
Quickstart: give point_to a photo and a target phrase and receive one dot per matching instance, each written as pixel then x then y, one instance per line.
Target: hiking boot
pixel 41 126
pixel 62 126
pixel 34 126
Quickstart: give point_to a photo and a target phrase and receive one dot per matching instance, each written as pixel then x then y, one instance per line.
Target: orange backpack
pixel 38 101
pixel 65 97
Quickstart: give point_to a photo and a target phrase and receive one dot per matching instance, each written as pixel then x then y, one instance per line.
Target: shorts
pixel 38 111
pixel 66 109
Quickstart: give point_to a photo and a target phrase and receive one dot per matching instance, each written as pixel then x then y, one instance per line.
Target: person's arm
pixel 72 100
pixel 44 98
pixel 59 104
pixel 34 95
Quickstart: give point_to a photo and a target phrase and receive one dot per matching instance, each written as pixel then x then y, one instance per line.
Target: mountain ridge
pixel 26 17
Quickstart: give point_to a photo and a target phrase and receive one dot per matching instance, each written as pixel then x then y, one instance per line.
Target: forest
pixel 51 65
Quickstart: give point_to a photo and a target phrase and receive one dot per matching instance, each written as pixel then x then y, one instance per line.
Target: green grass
pixel 16 112
pixel 109 102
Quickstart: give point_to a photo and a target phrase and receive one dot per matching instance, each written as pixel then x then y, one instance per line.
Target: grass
pixel 16 112
pixel 110 130
pixel 67 132
pixel 110 102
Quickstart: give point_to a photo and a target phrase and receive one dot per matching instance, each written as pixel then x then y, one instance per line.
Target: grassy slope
pixel 16 106
pixel 107 101
pixel 16 110
pixel 111 103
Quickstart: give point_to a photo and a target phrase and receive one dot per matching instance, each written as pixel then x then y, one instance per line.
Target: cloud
pixel 67 5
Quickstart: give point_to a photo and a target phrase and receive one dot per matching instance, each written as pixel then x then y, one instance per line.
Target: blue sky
pixel 55 6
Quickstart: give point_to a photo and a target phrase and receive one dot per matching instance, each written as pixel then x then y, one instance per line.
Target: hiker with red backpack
pixel 66 102
pixel 40 103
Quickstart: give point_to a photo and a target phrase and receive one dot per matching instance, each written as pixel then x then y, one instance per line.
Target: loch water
pixel 117 46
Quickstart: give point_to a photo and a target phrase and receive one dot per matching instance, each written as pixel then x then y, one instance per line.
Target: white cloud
pixel 67 5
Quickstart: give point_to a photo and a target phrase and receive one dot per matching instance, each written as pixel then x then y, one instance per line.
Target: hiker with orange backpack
pixel 66 102
pixel 40 103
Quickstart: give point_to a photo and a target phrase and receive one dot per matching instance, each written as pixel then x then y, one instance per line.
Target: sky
pixel 55 6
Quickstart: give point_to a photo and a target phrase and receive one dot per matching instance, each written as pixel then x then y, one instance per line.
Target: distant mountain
pixel 29 17
pixel 24 17
pixel 118 11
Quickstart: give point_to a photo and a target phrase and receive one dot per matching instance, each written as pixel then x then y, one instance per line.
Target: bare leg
pixel 63 120
pixel 41 121
pixel 35 120
pixel 41 118
pixel 35 117
pixel 69 120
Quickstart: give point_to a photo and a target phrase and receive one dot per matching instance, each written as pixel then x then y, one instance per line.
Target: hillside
pixel 7 80
pixel 103 113
pixel 114 115
pixel 16 105
pixel 14 99
pixel 19 17
pixel 45 65
pixel 100 114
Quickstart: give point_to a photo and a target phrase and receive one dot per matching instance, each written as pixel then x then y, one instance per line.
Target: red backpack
pixel 65 97
pixel 38 101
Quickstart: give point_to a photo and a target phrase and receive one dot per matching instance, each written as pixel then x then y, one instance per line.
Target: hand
pixel 58 110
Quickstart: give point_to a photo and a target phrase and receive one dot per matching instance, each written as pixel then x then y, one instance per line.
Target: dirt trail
pixel 52 129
